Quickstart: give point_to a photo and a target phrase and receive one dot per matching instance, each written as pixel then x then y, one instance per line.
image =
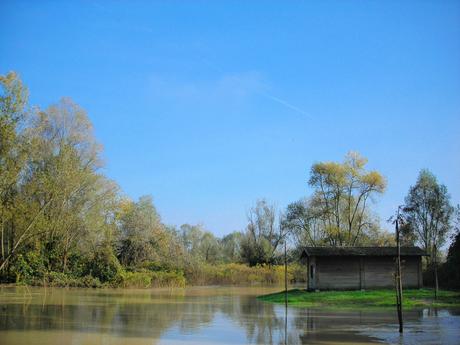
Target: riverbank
pixel 371 298
pixel 151 277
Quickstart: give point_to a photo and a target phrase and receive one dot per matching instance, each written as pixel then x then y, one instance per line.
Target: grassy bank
pixel 371 298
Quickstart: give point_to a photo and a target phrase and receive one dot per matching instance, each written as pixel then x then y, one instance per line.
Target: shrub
pixel 230 274
pixel 59 279
pixel 104 265
pixel 89 282
pixel 146 279
pixel 133 279
pixel 28 267
pixel 168 279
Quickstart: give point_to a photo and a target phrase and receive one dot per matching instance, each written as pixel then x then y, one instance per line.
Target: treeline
pixel 64 223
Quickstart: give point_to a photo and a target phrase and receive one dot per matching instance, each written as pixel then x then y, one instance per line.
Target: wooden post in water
pixel 398 278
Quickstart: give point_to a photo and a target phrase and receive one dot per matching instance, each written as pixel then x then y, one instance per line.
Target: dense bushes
pixel 233 273
pixel 104 265
pixel 109 273
pixel 449 272
pixel 147 279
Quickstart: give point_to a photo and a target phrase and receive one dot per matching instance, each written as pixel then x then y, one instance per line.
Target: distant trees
pixel 201 244
pixel 264 233
pixel 231 247
pixel 338 214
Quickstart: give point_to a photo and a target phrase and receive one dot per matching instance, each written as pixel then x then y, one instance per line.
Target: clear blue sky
pixel 209 106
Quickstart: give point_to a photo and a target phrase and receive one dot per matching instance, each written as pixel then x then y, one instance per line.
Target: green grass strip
pixel 365 299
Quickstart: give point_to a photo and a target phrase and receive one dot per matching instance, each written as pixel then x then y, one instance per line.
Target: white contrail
pixel 283 102
pixel 262 93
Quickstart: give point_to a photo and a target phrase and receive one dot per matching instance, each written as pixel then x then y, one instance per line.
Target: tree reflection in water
pixel 193 315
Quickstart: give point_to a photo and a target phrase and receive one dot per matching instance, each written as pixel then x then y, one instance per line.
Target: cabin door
pixel 312 274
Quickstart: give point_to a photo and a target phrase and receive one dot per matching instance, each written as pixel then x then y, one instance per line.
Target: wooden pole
pixel 398 278
pixel 435 267
pixel 285 294
pixel 285 275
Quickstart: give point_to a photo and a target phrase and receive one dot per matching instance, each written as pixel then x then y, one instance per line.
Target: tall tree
pixel 264 234
pixel 141 235
pixel 305 223
pixel 428 212
pixel 17 219
pixel 63 172
pixel 338 213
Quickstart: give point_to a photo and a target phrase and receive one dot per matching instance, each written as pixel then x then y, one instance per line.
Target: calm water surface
pixel 202 315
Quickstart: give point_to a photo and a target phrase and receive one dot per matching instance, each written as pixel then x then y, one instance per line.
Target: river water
pixel 202 315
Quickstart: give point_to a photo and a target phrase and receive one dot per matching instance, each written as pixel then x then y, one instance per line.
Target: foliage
pixel 233 274
pixel 104 265
pixel 64 223
pixel 28 267
pixel 450 270
pixel 428 212
pixel 337 214
pixel 264 234
pixel 140 231
pixel 200 244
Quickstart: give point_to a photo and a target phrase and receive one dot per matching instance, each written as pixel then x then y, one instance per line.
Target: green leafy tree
pixel 338 214
pixel 141 234
pixel 200 244
pixel 305 223
pixel 230 245
pixel 451 268
pixel 428 213
pixel 264 234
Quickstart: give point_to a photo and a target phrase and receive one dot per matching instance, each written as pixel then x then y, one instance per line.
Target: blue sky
pixel 208 105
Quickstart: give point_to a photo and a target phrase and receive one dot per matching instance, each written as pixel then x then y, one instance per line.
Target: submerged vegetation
pixel 370 298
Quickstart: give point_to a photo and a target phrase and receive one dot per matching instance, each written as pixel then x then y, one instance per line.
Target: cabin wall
pixel 350 273
pixel 333 273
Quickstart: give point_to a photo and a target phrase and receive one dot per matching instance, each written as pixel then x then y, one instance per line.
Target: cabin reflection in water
pixel 211 315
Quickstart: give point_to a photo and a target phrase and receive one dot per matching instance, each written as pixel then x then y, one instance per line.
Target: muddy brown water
pixel 202 315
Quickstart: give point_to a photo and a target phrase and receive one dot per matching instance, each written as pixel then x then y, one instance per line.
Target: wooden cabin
pixel 352 268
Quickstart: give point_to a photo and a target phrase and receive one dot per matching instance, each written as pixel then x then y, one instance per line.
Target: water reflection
pixel 193 316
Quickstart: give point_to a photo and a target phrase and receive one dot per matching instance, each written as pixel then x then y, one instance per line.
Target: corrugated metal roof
pixel 362 251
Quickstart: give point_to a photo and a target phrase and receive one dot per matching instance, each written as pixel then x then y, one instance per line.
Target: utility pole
pixel 398 277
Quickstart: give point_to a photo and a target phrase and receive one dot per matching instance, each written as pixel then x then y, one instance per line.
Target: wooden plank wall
pixel 341 273
pixel 364 272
